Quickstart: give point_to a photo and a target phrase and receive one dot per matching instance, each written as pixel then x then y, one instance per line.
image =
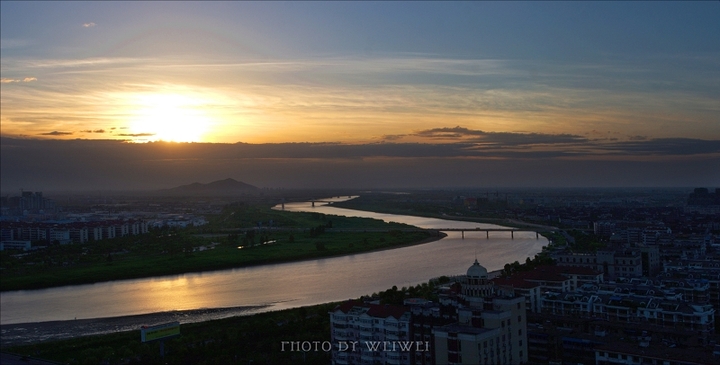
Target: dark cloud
pixel 112 164
pixel 456 131
pixel 393 137
pixel 56 133
pixel 666 146
pixel 93 131
pixel 499 138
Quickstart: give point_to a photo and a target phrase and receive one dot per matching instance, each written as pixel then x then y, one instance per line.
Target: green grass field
pixel 167 252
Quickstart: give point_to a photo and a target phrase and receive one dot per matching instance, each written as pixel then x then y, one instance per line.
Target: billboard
pixel 159 332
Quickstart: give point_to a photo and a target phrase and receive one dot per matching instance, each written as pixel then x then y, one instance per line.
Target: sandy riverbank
pixel 26 333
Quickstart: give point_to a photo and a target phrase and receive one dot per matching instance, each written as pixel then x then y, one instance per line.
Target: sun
pixel 168 117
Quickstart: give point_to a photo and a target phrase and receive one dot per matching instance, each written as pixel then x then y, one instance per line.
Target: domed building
pixel 491 329
pixel 476 283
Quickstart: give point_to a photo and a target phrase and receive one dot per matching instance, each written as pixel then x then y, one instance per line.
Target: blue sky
pixel 558 31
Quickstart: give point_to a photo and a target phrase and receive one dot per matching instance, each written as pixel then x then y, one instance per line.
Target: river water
pixel 280 286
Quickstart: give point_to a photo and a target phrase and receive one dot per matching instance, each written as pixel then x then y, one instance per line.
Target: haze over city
pixel 361 95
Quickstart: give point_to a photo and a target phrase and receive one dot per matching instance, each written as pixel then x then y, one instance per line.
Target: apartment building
pixel 367 333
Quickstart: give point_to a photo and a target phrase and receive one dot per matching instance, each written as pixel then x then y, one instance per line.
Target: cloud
pixel 56 133
pixel 358 103
pixel 122 165
pixel 76 63
pixel 393 137
pixel 93 131
pixel 666 147
pixel 89 25
pixel 499 138
pixel 27 79
pixel 136 134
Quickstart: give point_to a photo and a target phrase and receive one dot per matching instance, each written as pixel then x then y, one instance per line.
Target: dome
pixel 477 271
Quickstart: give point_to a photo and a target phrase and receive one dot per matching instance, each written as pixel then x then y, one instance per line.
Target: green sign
pixel 160 332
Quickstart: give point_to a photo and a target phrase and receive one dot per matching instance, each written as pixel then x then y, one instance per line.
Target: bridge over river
pixel 461 230
pixel 488 230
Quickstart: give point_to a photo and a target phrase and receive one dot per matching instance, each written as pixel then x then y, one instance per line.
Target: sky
pixel 388 94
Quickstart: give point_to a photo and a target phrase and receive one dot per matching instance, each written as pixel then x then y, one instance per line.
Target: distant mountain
pixel 220 187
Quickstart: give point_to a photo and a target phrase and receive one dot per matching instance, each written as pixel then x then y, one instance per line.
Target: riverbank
pixel 373 206
pixel 286 247
pixel 28 333
pixel 19 334
pixel 240 339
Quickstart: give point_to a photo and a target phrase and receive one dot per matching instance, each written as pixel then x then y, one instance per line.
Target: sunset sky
pixel 452 82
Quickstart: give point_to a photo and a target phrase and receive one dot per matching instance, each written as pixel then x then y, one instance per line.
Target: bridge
pixel 365 230
pixel 488 230
pixel 312 202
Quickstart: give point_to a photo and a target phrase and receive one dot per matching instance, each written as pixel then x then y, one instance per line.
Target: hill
pixel 221 187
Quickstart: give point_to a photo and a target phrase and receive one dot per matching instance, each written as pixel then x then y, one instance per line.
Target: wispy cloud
pixel 89 25
pixel 59 63
pixel 136 134
pixel 26 79
pixel 364 99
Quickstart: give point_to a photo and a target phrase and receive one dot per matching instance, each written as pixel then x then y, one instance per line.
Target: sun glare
pixel 169 117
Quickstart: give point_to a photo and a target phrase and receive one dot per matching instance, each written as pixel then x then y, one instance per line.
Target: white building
pixel 15 245
pixel 363 333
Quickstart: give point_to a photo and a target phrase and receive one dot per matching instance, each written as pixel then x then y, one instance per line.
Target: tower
pixel 477 284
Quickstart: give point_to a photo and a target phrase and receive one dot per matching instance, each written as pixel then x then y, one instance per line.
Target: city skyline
pixel 590 94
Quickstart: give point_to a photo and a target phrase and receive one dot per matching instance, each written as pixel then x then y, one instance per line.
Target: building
pixel 613 264
pixel 367 333
pixel 15 245
pixel 71 232
pixel 426 316
pixel 653 310
pixel 471 324
pixel 532 284
pixel 491 328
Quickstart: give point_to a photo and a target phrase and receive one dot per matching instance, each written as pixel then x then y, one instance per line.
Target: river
pixel 280 286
